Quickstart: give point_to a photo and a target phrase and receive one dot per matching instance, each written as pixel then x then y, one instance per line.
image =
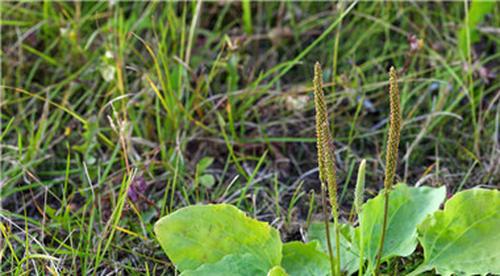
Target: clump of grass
pixel 391 154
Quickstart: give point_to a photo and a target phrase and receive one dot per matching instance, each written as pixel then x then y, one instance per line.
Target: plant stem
pixel 382 236
pixel 361 245
pixel 327 228
pixel 337 237
pixel 391 155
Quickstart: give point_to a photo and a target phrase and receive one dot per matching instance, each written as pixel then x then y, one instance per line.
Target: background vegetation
pixel 114 114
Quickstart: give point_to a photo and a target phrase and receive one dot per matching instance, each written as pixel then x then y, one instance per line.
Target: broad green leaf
pixel 349 255
pixel 464 238
pixel 207 180
pixel 230 265
pixel 477 12
pixel 277 271
pixel 305 259
pixel 205 234
pixel 408 207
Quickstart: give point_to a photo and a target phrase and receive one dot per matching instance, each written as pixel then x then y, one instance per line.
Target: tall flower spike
pixel 326 151
pixel 391 155
pixel 329 163
pixel 326 163
pixel 321 116
pixel 394 130
pixel 360 187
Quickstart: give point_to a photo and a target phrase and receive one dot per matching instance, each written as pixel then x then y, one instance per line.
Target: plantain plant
pixel 326 164
pixel 462 238
pixel 391 155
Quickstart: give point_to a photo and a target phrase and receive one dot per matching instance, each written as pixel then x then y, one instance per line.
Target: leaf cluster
pixel 460 239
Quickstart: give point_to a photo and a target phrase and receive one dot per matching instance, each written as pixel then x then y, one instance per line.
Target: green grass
pixel 95 96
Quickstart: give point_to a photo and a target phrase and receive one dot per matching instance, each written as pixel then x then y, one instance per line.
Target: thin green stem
pixel 337 238
pixel 327 228
pixel 391 155
pixel 361 248
pixel 384 228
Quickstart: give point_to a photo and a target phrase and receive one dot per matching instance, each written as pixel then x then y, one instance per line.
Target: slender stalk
pixel 332 188
pixel 327 228
pixel 382 236
pixel 391 155
pixel 361 249
pixel 337 238
pixel 326 157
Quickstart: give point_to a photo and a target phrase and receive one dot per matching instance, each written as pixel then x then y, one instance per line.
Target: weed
pixel 391 155
pixel 224 241
pixel 97 97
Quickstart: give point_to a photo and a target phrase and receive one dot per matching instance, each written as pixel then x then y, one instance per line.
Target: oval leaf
pixel 207 180
pixel 305 259
pixel 408 207
pixel 230 265
pixel 464 238
pixel 205 234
